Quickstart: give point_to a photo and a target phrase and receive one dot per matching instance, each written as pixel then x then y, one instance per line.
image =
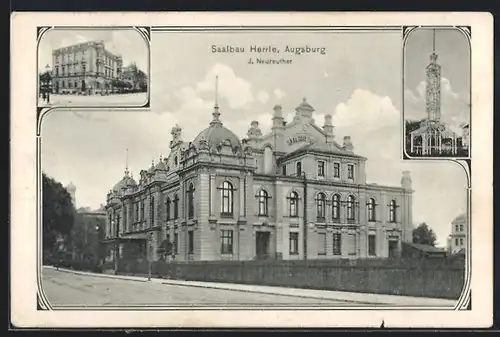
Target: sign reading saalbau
pixel 299 139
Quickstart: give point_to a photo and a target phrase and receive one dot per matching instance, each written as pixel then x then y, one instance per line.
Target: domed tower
pixel 71 188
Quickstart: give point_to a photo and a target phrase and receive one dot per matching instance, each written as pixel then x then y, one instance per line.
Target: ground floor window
pixel 337 244
pixel 294 243
pixel 371 245
pixel 190 242
pixel 226 242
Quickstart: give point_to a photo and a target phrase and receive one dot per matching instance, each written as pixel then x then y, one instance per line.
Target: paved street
pixel 68 288
pixel 65 288
pixel 116 100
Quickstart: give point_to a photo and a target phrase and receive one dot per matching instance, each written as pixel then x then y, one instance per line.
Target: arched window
pixel 293 204
pixel 350 208
pixel 392 211
pixel 227 198
pixel 371 210
pixel 320 207
pixel 336 207
pixel 176 206
pixel 152 211
pixel 263 206
pixel 167 208
pixel 298 168
pixel 190 201
pixel 176 161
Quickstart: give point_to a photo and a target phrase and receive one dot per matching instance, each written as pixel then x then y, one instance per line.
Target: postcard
pixel 215 170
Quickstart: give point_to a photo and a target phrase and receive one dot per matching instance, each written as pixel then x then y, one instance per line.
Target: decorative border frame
pixel 464 301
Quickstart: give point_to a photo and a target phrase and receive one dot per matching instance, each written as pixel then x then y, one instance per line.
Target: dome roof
pixel 460 218
pixel 215 134
pixel 126 182
pixel 71 186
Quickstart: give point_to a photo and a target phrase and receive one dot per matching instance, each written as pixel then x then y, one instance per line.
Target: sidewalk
pixel 361 298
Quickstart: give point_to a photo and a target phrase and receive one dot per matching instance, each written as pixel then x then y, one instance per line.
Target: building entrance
pixel 262 245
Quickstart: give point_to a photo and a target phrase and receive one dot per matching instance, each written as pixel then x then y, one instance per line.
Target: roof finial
pixel 216 112
pixel 433 40
pixel 126 163
pixel 304 99
pixel 217 91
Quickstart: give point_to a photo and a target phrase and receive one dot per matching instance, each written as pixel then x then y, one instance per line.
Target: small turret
pixel 254 130
pixel 347 145
pixel 328 128
pixel 406 180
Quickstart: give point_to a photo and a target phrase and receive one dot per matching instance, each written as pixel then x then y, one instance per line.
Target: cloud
pixel 279 94
pixel 455 107
pixel 263 97
pixel 235 90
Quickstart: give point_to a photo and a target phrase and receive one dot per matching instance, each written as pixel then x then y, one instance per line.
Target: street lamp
pixel 150 237
pixel 84 66
pixel 46 83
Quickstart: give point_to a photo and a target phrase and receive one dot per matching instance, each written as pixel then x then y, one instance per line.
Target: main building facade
pixel 294 193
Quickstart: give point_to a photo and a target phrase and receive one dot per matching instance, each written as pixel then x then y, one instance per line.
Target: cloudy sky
pixel 127 43
pixel 358 80
pixel 453 52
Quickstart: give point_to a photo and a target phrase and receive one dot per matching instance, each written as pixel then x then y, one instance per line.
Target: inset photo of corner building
pixel 93 67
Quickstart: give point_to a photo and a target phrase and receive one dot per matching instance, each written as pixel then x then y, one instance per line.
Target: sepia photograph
pixel 93 67
pixel 261 181
pixel 437 93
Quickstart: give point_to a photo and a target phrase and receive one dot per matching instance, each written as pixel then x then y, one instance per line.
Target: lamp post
pixel 83 85
pixel 48 79
pixel 150 237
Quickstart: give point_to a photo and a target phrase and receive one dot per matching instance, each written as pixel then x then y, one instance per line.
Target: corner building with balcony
pixel 85 67
pixel 294 193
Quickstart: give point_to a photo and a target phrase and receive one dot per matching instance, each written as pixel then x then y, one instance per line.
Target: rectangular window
pixel 190 242
pixel 461 241
pixel 176 243
pixel 350 171
pixel 142 210
pixel 283 170
pixel 456 228
pixel 336 170
pixel 321 168
pixel 371 245
pixel 168 247
pixel 226 242
pixel 294 243
pixel 456 242
pixel 461 228
pixel 352 244
pixel 337 244
pixel 321 244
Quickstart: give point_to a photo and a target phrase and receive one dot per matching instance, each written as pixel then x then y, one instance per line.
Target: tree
pixel 58 214
pixel 423 234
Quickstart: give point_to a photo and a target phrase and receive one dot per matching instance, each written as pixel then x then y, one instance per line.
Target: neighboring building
pixel 85 68
pixel 293 193
pixel 88 235
pixel 433 137
pixel 417 250
pixel 458 237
